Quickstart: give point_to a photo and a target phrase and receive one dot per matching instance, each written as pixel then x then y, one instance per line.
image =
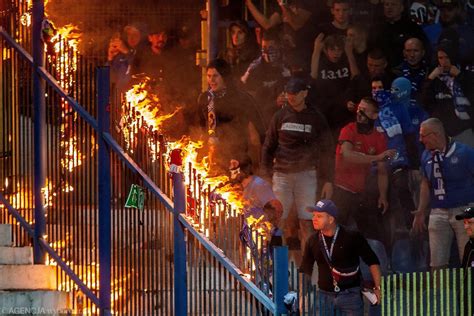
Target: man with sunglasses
pixel 447 187
pixel 361 150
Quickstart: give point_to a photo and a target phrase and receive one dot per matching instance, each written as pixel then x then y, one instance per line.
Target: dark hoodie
pixel 438 99
pixel 299 141
pixel 239 58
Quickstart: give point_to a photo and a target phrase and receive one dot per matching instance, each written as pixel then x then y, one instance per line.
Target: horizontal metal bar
pixel 76 106
pixel 16 46
pixel 51 252
pixel 50 80
pixel 134 167
pixel 82 286
pixel 236 272
pixel 92 122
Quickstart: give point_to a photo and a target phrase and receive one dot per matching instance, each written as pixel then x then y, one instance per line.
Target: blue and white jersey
pixel 457 171
pixel 394 121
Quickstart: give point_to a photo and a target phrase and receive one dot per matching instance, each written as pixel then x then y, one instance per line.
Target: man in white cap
pixel 337 252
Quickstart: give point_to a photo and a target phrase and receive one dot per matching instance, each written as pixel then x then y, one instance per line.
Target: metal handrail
pixel 50 251
pixel 229 265
pixel 132 165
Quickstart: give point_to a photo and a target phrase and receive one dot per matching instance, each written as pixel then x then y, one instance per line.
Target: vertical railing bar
pixel 39 130
pixel 214 283
pixel 469 291
pixel 104 178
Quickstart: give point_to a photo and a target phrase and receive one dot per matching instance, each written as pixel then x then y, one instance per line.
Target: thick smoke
pixel 98 20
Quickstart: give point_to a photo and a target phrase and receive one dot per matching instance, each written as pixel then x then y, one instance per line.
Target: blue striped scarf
pixel 461 103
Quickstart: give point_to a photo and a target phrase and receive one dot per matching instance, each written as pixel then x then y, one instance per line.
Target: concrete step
pixel 27 277
pixel 34 302
pixel 6 239
pixel 16 255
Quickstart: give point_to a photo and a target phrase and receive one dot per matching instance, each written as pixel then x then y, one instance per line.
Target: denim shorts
pixel 298 188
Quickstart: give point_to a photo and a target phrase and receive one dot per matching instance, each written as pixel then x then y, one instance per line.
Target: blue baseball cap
pixel 326 206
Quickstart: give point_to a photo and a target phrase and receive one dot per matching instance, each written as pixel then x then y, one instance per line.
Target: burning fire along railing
pixel 214 206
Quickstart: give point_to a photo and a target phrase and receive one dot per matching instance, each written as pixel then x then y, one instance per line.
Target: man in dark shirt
pixel 332 66
pixel 229 117
pixel 337 252
pixel 468 257
pixel 299 151
pixel 414 67
pixel 391 34
pixel 266 76
pixel 468 218
pixel 341 13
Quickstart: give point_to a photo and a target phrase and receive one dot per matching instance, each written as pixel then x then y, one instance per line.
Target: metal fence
pixel 442 292
pixel 224 276
pixel 142 253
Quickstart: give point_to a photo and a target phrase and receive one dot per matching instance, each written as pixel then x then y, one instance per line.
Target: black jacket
pixel 298 141
pixel 437 100
pixel 468 257
pixel 391 37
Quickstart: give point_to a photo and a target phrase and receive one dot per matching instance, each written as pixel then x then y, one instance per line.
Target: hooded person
pixel 266 76
pixel 243 48
pixel 448 94
pixel 229 118
pixel 395 122
pixel 401 93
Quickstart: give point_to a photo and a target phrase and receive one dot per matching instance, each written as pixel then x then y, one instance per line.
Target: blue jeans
pixel 347 302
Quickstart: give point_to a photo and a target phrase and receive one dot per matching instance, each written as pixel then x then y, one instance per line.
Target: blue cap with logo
pixel 325 206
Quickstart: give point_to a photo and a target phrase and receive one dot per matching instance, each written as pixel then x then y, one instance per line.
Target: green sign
pixel 136 197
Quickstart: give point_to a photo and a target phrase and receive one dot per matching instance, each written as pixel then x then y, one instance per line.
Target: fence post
pixel 212 29
pixel 103 120
pixel 39 133
pixel 280 277
pixel 180 274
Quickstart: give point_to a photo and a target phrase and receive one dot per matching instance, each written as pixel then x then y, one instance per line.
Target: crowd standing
pixel 366 104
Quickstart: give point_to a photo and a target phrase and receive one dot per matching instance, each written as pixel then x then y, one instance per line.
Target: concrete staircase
pixel 26 288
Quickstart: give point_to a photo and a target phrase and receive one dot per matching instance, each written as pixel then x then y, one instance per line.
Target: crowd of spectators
pixel 328 101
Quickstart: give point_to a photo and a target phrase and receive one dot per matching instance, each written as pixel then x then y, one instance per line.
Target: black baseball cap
pixel 295 85
pixel 467 214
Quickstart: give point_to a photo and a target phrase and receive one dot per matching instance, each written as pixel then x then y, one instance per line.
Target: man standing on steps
pixel 337 252
pixel 298 151
pixel 447 186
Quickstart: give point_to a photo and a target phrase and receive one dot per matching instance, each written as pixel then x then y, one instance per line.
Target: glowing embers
pixel 89 274
pixel 19 196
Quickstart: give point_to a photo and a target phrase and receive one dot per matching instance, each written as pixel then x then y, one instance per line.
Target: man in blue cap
pixel 298 152
pixel 337 252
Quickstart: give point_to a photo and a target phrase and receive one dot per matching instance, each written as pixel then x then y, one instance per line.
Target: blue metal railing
pixel 108 144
